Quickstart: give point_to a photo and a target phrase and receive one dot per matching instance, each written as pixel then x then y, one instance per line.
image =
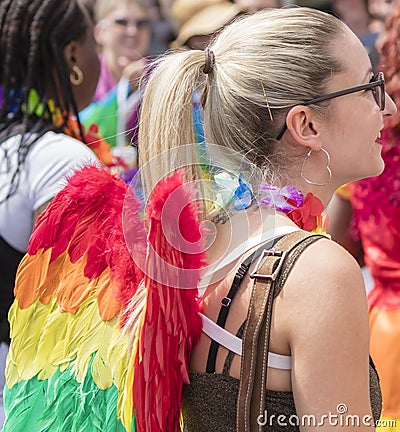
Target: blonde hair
pixel 264 64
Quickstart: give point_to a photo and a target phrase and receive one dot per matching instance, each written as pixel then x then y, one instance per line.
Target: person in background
pixel 162 30
pixel 48 73
pixel 356 15
pixel 123 34
pixel 197 22
pixel 375 203
pixel 379 10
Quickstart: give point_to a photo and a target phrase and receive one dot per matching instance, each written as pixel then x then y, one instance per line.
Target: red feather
pixel 171 324
pixel 86 218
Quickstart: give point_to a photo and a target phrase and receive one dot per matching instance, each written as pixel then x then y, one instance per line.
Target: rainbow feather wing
pixel 68 366
pixel 170 323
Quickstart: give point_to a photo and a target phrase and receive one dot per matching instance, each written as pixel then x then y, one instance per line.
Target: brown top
pixel 209 404
pixel 210 400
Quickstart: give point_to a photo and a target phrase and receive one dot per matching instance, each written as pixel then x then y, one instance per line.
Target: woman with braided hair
pixel 48 73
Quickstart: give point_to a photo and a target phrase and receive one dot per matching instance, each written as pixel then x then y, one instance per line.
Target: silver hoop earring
pixel 328 169
pixel 76 75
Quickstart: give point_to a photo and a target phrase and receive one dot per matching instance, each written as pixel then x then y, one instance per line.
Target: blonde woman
pixel 228 292
pixel 293 92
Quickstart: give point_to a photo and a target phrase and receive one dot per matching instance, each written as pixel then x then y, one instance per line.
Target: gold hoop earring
pixel 328 168
pixel 76 75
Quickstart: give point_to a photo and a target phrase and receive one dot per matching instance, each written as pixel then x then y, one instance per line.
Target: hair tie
pixel 210 60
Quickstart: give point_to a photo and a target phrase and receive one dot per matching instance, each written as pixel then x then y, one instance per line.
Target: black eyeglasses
pixel 139 23
pixel 376 85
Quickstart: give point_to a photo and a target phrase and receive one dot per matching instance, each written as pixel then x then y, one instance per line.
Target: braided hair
pixel 33 35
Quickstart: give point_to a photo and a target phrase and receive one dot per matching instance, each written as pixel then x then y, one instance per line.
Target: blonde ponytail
pixel 166 134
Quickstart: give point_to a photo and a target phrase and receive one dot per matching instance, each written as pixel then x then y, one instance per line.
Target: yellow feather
pixel 54 339
pixel 125 400
pixel 27 327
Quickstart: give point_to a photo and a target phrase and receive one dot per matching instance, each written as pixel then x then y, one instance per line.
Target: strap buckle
pixel 269 252
pixel 226 301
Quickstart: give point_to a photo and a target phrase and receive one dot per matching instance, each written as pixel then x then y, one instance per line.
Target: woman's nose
pixel 390 107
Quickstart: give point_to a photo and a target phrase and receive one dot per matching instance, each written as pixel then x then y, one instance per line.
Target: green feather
pixel 61 404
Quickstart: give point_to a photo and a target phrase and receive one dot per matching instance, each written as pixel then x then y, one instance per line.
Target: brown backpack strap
pixel 270 274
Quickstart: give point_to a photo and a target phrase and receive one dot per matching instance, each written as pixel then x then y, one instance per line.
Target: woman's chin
pixel 378 168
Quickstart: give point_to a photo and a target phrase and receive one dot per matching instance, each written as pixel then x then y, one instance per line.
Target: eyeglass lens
pixel 379 91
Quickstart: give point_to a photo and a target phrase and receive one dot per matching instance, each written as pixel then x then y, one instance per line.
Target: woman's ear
pixel 70 54
pixel 98 32
pixel 304 126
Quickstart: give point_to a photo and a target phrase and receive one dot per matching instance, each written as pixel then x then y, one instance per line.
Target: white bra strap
pixel 234 344
pixel 222 336
pixel 279 361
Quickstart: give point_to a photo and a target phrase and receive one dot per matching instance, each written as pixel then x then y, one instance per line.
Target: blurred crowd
pixel 176 23
pixel 130 34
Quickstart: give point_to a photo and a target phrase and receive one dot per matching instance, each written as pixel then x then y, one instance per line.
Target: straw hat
pixel 201 17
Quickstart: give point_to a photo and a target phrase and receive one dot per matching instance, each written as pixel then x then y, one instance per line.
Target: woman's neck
pixel 238 233
pixel 323 193
pixel 112 65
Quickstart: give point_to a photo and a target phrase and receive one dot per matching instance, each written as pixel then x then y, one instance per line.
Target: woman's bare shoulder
pixel 325 287
pixel 325 324
pixel 325 265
